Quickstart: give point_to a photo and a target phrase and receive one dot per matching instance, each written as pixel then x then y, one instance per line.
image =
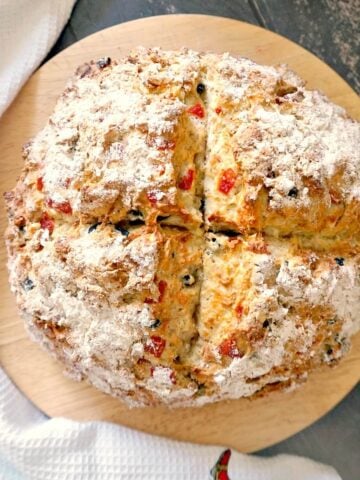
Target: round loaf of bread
pixel 186 229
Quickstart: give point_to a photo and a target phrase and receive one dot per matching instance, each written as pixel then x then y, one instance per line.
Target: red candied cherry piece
pixel 186 181
pixel 162 287
pixel 46 222
pixel 155 345
pixel 197 110
pixel 239 310
pixel 151 196
pixel 63 207
pixel 229 348
pixel 227 180
pixel 40 184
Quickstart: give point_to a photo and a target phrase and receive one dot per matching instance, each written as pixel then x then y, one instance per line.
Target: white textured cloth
pixel 33 447
pixel 28 29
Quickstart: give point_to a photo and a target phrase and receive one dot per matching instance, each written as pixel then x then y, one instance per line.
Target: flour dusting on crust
pixel 186 229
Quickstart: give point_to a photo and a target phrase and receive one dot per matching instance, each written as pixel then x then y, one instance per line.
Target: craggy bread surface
pixel 186 228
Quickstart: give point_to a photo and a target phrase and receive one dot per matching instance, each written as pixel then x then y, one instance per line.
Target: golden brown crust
pixel 286 160
pixel 186 228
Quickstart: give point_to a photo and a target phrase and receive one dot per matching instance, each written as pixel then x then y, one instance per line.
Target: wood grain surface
pixel 328 28
pixel 244 424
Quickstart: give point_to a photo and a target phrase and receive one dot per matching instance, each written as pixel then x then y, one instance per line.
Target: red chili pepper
pixel 186 181
pixel 47 222
pixel 225 457
pixel 162 287
pixel 167 145
pixel 220 469
pixel 218 110
pixel 223 475
pixel 63 207
pixel 197 110
pixel 152 197
pixel 155 346
pixel 239 309
pixel 40 184
pixel 229 348
pixel 227 181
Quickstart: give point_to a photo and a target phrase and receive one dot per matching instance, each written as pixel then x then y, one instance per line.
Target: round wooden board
pixel 243 424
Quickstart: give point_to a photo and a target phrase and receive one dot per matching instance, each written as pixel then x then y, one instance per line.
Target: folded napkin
pixel 34 447
pixel 28 29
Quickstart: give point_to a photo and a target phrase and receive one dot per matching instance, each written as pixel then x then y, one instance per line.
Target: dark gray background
pixel 328 28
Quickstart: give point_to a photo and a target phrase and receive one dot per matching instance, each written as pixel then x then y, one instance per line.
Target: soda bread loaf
pixel 186 229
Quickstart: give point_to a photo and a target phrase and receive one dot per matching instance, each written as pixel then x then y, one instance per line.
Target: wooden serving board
pixel 243 424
